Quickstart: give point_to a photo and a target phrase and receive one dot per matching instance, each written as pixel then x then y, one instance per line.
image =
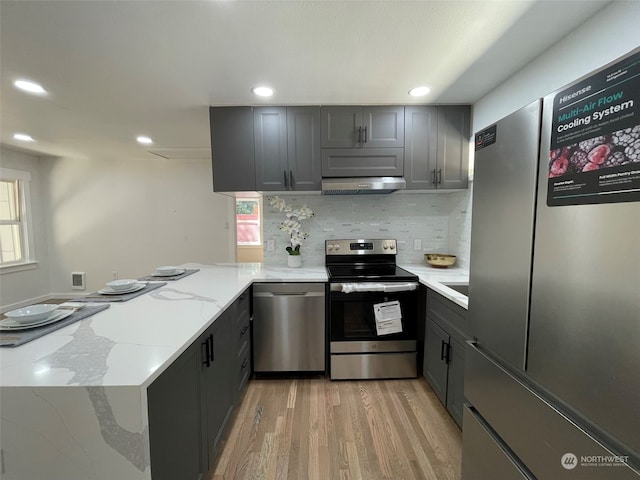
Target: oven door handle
pixel 374 287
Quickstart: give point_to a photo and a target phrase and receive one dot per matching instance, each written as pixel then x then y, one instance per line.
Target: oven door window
pixel 352 315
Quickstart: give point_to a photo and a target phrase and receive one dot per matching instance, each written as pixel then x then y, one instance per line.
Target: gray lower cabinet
pixel 436 149
pixel 175 428
pixel 444 355
pixel 232 149
pixel 191 403
pixel 363 126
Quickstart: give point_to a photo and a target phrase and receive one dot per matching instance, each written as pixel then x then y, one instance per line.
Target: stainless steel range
pixel 373 311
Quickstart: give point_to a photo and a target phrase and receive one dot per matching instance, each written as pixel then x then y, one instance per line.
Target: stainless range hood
pixel 362 185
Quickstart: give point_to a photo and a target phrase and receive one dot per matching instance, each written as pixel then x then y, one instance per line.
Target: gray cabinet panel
pixel 217 393
pixel 363 162
pixel 455 381
pixel 437 147
pixel 271 163
pixel 340 127
pixel 435 366
pixel 174 420
pixel 303 148
pixel 232 149
pixel 384 127
pixel 420 147
pixel 453 147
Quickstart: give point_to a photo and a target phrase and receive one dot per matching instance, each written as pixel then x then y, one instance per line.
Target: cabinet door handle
pixel 448 357
pixel 365 134
pixel 442 351
pixel 433 176
pixel 440 176
pixel 286 182
pixel 207 354
pixel 244 364
pixel 244 330
pixel 359 134
pixel 291 180
pixel 211 354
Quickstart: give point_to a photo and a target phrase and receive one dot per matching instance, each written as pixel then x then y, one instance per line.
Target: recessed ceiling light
pixel 144 140
pixel 419 91
pixel 29 86
pixel 263 91
pixel 23 137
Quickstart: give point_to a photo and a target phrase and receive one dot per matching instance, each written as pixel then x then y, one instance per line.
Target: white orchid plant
pixel 292 224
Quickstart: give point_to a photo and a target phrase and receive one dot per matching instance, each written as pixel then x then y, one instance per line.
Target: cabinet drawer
pixel 450 316
pixel 242 372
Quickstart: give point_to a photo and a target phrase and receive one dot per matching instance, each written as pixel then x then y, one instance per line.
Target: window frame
pixel 28 260
pixel 261 233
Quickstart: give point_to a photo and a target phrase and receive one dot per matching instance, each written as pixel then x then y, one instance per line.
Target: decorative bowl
pixel 439 260
pixel 166 270
pixel 121 285
pixel 32 313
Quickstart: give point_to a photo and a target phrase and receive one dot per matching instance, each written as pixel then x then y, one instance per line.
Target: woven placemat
pixel 186 273
pixel 124 297
pixel 20 337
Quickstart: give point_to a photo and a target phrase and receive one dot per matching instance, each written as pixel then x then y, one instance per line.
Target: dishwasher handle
pixel 289 294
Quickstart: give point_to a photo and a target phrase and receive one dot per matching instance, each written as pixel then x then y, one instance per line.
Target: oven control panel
pixel 360 247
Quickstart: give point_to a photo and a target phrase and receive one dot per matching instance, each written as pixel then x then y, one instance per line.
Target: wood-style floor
pixel 346 430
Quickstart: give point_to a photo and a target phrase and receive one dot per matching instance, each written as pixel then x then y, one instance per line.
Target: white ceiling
pixel 117 69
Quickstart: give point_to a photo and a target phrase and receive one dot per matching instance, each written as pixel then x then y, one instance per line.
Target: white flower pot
pixel 294 261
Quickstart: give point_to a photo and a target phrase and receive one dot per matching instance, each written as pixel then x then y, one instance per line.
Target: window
pixel 14 217
pixel 248 229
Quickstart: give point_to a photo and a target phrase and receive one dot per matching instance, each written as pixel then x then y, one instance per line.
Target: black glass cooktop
pixel 368 273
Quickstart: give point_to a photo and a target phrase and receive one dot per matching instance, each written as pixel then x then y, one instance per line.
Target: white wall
pixel 18 286
pixel 611 33
pixel 131 215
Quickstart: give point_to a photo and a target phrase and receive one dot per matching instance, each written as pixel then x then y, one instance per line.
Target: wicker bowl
pixel 439 260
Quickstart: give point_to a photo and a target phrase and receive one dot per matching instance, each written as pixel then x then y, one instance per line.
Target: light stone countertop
pixel 100 429
pixel 131 343
pixel 436 278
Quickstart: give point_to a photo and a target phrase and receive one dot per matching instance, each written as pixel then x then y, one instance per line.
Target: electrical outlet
pixel 271 245
pixel 417 244
pixel 115 275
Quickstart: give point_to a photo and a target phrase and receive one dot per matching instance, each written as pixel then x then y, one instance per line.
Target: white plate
pixel 179 271
pixel 57 315
pixel 111 291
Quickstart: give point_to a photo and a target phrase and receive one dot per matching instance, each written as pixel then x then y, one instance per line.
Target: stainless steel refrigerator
pixel 552 378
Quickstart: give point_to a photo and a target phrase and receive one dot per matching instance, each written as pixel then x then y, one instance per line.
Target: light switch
pixel 417 244
pixel 271 245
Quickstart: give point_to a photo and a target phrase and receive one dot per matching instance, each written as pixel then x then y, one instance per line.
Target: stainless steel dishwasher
pixel 289 327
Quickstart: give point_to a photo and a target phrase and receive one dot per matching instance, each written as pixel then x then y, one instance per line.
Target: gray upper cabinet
pixel 363 127
pixel 270 134
pixel 265 148
pixel 303 148
pixel 232 150
pixel 453 147
pixel 420 146
pixel 437 147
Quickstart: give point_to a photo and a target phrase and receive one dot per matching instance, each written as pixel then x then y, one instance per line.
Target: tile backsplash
pixel 438 222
